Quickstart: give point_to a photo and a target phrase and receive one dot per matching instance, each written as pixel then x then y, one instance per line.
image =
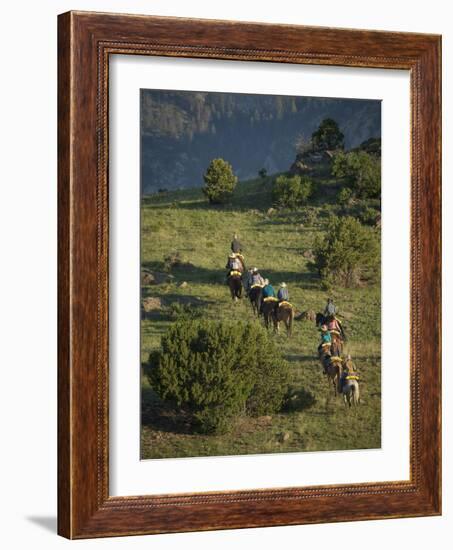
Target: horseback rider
pixel 324 347
pixel 236 246
pixel 330 309
pixel 234 263
pixel 335 325
pixel 348 372
pixel 268 290
pixel 268 294
pixel 283 294
pixel 256 279
pixel 326 339
pixel 349 364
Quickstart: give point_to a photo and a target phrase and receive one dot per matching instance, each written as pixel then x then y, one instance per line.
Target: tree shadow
pixel 308 279
pixel 188 272
pixel 163 416
pixel 189 306
pixel 298 400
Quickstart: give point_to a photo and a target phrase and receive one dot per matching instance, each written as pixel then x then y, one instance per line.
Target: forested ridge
pixel 182 131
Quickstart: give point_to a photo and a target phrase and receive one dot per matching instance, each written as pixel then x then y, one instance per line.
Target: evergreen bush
pixel 217 371
pixel 348 253
pixel 291 191
pixel 220 181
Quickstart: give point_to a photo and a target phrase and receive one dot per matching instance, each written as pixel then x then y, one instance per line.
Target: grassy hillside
pixel 182 221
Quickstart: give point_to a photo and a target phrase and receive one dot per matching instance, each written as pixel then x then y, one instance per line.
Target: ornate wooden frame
pixel 85 41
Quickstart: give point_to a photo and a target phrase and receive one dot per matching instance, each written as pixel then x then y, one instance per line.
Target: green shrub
pixel 220 181
pixel 291 191
pixel 348 253
pixel 217 371
pixel 368 216
pixel 344 196
pixel 179 311
pixel 361 172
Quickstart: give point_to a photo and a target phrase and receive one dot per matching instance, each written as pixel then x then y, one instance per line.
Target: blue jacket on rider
pixel 268 291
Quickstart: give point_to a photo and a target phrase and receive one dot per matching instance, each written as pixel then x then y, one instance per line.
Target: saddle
pixel 351 377
pixel 285 303
pixel 270 299
pixel 234 273
pixel 256 285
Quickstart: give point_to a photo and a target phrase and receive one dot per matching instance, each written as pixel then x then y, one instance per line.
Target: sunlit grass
pixel 183 221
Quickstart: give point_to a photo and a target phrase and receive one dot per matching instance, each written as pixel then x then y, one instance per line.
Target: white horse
pixel 350 391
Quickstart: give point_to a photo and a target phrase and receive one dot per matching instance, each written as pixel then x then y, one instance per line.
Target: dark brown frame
pixel 85 41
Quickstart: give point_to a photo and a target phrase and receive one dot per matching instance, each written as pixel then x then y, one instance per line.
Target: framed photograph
pixel 249 275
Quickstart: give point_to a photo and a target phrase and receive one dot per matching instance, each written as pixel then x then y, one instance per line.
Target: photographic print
pixel 260 274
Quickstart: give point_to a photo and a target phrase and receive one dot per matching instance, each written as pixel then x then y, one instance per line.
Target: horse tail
pixel 290 321
pixel 339 373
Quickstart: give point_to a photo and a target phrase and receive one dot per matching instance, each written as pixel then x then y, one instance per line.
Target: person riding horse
pixel 235 263
pixel 325 345
pixel 254 289
pixel 268 292
pixel 283 294
pixel 236 246
pixel 330 310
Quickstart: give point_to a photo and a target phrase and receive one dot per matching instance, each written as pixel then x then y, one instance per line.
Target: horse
pixel 255 297
pixel 268 310
pixel 284 312
pixel 235 284
pixel 333 369
pixel 337 343
pixel 320 319
pixel 350 390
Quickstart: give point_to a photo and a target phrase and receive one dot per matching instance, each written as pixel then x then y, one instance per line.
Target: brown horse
pixel 235 284
pixel 268 310
pixel 255 297
pixel 284 312
pixel 336 348
pixel 334 368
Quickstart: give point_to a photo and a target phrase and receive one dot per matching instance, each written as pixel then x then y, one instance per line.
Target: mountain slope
pixel 181 132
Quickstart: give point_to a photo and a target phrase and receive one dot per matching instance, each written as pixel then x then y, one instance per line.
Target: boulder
pixel 148 278
pixel 184 284
pixel 152 303
pixel 308 254
pixel 155 278
pixel 265 419
pixel 284 436
pixel 309 315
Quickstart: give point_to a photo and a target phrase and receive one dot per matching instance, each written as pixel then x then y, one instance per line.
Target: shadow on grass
pixel 298 400
pixel 162 416
pixel 175 305
pixel 189 272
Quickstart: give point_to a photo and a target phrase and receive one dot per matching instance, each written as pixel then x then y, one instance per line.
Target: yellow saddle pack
pixel 234 272
pixel 351 377
pixel 270 299
pixel 257 285
pixel 285 303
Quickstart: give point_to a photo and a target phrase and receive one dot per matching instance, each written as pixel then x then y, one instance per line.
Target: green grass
pixel 315 420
